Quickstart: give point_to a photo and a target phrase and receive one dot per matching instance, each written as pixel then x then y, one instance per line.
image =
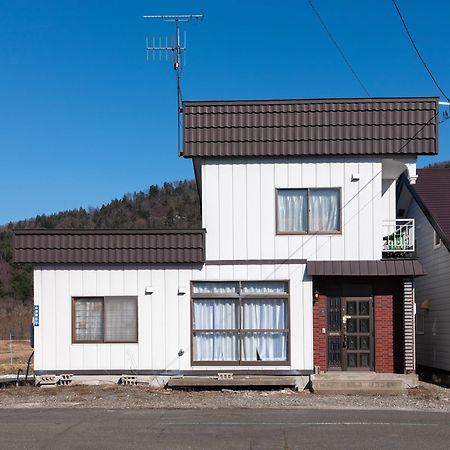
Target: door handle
pixel 344 342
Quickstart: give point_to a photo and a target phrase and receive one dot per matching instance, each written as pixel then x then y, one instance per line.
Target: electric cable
pixel 338 47
pixel 417 50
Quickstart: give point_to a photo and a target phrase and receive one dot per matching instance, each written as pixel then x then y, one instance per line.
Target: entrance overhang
pixel 382 268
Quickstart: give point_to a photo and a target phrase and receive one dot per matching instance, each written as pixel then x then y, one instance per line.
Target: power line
pixel 417 50
pixel 339 49
pixel 418 132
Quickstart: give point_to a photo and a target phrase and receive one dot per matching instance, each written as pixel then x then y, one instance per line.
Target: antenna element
pixel 178 52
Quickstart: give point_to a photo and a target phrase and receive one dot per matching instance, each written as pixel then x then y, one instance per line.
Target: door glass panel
pixel 363 308
pixel 351 326
pixel 351 308
pixel 364 325
pixel 334 351
pixel 351 359
pixel 352 343
pixel 334 314
pixel 364 343
pixel 364 359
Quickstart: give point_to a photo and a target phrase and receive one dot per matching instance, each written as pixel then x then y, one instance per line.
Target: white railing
pixel 398 236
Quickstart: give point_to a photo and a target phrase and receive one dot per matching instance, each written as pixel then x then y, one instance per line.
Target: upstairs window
pixel 104 319
pixel 308 211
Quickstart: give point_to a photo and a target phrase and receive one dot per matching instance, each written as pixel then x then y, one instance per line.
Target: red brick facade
pixel 320 338
pixel 384 333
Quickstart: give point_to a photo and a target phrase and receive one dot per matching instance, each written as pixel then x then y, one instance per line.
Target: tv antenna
pixel 177 50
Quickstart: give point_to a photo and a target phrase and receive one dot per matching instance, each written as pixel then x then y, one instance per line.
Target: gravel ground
pixel 426 397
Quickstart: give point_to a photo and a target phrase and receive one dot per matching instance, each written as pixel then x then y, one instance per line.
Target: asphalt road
pixel 222 429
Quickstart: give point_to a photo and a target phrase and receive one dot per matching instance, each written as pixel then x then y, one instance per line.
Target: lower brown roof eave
pixel 109 246
pixel 382 268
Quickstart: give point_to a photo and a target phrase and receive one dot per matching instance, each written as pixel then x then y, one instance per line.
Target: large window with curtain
pixel 104 319
pixel 240 322
pixel 308 211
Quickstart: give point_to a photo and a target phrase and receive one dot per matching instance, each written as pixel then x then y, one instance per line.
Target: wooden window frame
pixel 309 232
pixel 102 341
pixel 241 331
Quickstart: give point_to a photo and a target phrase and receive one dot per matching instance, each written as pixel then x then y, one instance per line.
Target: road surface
pixel 222 429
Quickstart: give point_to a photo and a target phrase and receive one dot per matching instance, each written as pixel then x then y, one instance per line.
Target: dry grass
pixel 20 351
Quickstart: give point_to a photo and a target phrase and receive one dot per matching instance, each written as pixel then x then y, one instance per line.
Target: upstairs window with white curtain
pixel 104 319
pixel 308 211
pixel 240 322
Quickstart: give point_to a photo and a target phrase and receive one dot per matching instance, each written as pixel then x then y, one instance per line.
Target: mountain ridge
pixel 173 205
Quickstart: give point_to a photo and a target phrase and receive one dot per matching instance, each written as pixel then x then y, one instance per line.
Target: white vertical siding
pixel 240 207
pixel 164 317
pixel 239 212
pixel 254 222
pixel 432 347
pixel 38 335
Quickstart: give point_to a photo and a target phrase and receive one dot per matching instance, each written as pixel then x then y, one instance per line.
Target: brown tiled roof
pixel 109 246
pixel 311 127
pixel 394 267
pixel 433 187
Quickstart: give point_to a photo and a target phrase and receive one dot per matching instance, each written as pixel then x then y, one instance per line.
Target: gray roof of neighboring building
pixel 311 127
pixel 109 246
pixel 382 268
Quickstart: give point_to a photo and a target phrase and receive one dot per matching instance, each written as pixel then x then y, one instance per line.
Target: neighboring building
pixel 428 202
pixel 301 261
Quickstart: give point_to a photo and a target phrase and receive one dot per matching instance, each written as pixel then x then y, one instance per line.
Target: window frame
pixel 308 232
pixel 419 316
pixel 103 341
pixel 241 331
pixel 439 243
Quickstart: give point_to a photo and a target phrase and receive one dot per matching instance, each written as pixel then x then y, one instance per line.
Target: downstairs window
pixel 104 319
pixel 240 322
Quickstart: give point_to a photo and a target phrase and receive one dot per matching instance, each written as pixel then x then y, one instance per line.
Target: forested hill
pixel 441 164
pixel 173 205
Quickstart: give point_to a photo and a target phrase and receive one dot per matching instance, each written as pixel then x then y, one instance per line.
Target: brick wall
pixel 319 338
pixel 384 333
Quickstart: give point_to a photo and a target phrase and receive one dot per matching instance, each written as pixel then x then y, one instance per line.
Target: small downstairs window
pixel 104 319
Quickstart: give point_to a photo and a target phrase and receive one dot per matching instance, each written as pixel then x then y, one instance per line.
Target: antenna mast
pixel 178 52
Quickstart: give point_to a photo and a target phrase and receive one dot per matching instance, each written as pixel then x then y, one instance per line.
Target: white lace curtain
pixel 293 216
pixel 324 210
pixel 89 319
pixel 292 210
pixel 221 314
pixel 260 315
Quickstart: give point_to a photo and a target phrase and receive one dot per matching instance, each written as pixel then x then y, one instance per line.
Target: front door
pixel 350 333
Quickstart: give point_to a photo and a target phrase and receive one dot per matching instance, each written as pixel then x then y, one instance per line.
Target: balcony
pixel 398 238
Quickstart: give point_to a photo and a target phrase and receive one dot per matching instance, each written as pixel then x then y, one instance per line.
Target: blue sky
pixel 84 118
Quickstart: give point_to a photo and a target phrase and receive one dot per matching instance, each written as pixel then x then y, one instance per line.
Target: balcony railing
pixel 398 237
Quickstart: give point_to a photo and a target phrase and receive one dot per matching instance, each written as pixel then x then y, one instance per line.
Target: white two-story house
pixel 301 263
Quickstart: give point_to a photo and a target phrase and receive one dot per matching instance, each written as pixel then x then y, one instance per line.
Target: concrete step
pixel 236 381
pixel 366 383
